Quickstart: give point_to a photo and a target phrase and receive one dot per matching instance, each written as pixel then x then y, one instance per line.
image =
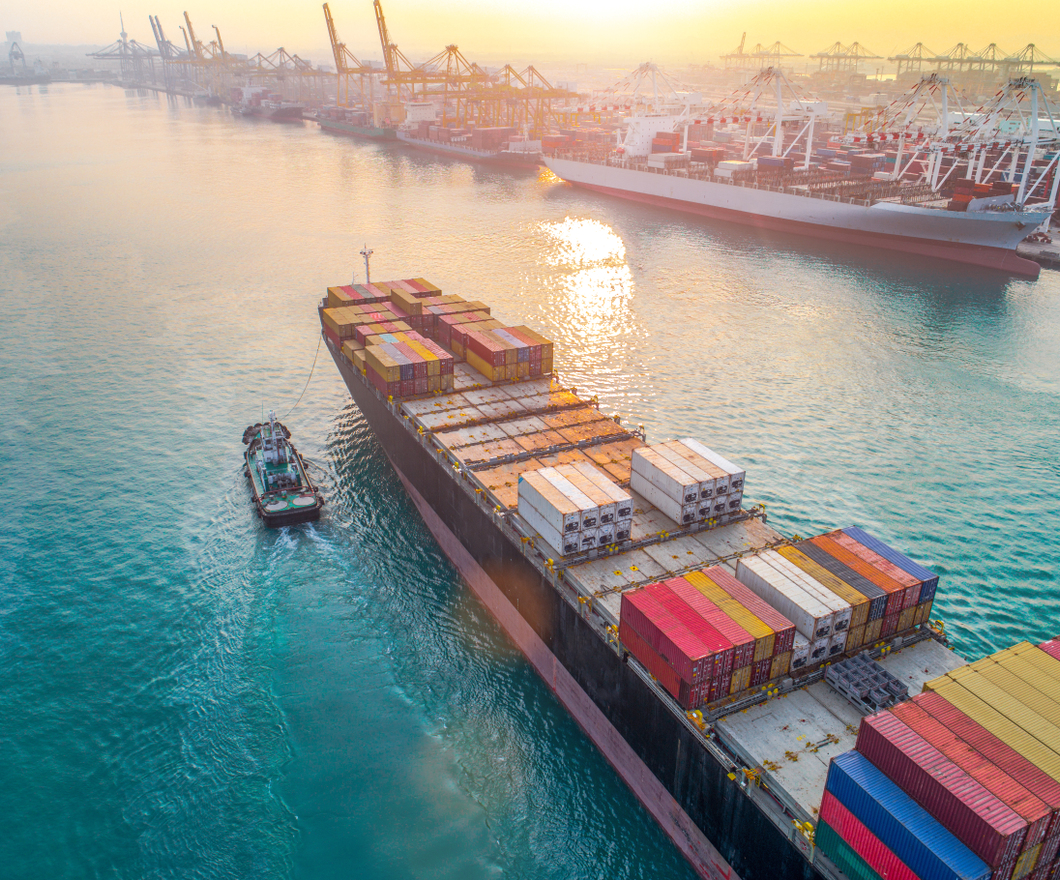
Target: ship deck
pixel 776 745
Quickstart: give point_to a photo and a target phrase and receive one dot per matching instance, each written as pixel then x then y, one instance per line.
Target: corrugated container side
pixel 866 844
pixel 900 575
pixel 658 628
pixel 876 594
pixel 895 591
pixel 902 825
pixel 656 664
pixel 859 602
pixel 1024 802
pixel 1032 697
pixel 1052 648
pixel 842 609
pixel 740 680
pixel 842 853
pixel 783 629
pixel 742 641
pixel 763 634
pixel 1002 727
pixel 811 618
pixel 720 648
pixel 929 580
pixel 1031 721
pixel 781 665
pixel 976 817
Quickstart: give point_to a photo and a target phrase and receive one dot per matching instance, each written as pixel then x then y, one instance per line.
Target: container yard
pixel 744 684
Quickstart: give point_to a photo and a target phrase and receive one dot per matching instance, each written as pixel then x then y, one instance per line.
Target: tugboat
pixel 283 493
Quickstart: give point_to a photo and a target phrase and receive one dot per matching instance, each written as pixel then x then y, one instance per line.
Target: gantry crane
pixel 346 66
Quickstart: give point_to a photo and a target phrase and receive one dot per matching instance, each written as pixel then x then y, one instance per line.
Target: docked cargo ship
pixel 261 103
pixel 969 193
pixel 520 154
pixel 353 123
pixel 742 683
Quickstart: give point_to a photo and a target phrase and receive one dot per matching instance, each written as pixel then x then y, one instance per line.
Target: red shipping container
pixel 714 641
pixel 977 818
pixel 658 627
pixel 332 335
pixel 783 628
pixel 491 351
pixel 1049 850
pixel 1028 805
pixel 1001 753
pixel 911 582
pixel 760 672
pixel 889 625
pixel 656 664
pixel 1052 648
pixel 866 844
pixel 895 590
pixel 743 642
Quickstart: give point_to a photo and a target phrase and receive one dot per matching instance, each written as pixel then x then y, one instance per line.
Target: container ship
pixel 262 103
pixel 969 190
pixel 353 123
pixel 497 145
pixel 782 707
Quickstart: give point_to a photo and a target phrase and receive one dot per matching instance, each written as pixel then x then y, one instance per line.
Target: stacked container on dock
pixel 687 482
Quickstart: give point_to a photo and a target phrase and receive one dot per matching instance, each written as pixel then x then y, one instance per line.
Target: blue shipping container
pixel 912 834
pixel 930 579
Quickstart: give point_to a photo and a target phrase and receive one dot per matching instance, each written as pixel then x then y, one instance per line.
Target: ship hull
pixel 686 789
pixel 986 239
pixel 495 157
pixel 369 132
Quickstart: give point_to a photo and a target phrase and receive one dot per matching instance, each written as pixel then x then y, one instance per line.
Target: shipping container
pixel 713 480
pixel 982 822
pixel 895 591
pixel 800 653
pixel 650 467
pixel 1023 733
pixel 736 474
pixel 902 825
pixel 743 642
pixel 929 580
pixel 561 513
pixel 859 602
pixel 685 694
pixel 691 659
pixel 589 512
pixel 840 608
pixel 810 616
pixel 783 628
pixel 762 633
pixel 722 649
pixel 912 584
pixel 1032 808
pixel 862 841
pixel 876 595
pixel 843 856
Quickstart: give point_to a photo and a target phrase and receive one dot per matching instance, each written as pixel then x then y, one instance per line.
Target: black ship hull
pixel 695 798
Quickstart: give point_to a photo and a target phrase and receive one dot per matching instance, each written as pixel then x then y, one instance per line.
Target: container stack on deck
pixel 962 781
pixel 687 481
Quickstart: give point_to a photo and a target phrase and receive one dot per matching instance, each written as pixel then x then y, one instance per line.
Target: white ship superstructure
pixel 963 185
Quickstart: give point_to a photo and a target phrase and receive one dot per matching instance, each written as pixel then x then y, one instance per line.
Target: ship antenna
pixel 366 253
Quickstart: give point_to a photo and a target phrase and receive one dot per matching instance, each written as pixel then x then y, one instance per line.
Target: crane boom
pixel 195 46
pixel 384 39
pixel 336 46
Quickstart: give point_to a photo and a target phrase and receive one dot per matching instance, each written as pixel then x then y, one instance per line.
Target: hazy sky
pixel 621 31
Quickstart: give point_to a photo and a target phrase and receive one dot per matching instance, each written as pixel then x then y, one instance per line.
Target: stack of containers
pixel 354 295
pixel 565 506
pixel 979 751
pixel 813 618
pixel 363 332
pixel 687 481
pixel 774 634
pixel 407 366
pixel 507 353
pixel 929 581
pixel 840 607
pixel 443 326
pixel 460 332
pixel 341 324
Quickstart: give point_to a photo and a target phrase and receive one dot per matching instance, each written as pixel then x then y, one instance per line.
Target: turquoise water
pixel 188 695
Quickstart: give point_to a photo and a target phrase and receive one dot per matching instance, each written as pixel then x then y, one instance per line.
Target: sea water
pixel 184 693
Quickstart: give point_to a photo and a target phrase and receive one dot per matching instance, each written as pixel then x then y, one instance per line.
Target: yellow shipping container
pixel 872 631
pixel 1007 705
pixel 859 602
pixel 906 619
pixel 781 665
pixel 450 298
pixel 1034 698
pixel 386 287
pixel 855 637
pixel 478 306
pixel 522 370
pixel 762 632
pixel 1033 749
pixel 1026 862
pixel 494 374
pixel 406 301
pixel 359 361
pixel 349 347
pixel 740 681
pixel 434 366
pixel 923 613
pixel 1033 671
pixel 382 363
